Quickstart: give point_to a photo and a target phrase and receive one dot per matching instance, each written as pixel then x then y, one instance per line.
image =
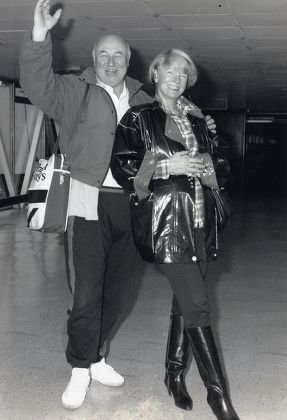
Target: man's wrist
pixel 39 35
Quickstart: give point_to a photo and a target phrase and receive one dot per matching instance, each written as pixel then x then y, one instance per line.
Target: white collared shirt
pixel 83 201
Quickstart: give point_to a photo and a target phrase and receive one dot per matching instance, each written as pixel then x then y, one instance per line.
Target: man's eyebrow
pixel 105 51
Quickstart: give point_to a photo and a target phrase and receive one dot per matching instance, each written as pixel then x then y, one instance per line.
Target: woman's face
pixel 171 79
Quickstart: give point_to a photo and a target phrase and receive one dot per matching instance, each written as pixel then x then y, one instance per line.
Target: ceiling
pixel 239 46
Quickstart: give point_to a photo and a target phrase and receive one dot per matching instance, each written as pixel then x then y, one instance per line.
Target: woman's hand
pixel 43 21
pixel 210 124
pixel 182 163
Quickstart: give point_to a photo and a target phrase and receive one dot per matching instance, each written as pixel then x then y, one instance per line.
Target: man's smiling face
pixel 111 60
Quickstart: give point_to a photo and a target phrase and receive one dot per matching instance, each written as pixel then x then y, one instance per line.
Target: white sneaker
pixel 105 374
pixel 76 390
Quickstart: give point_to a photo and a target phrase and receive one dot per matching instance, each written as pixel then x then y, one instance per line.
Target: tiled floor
pixel 248 292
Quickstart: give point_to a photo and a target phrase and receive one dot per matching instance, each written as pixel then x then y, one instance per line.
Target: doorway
pixel 265 156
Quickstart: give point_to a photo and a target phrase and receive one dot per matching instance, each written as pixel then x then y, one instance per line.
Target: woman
pixel 164 149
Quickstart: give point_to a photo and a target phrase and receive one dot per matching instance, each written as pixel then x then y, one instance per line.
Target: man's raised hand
pixel 43 20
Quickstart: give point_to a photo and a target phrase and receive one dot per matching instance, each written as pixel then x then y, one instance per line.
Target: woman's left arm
pixel 217 171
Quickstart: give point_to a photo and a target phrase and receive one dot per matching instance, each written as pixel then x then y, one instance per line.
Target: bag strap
pixel 76 121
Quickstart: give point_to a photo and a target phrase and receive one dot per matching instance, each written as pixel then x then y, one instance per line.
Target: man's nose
pixel 111 61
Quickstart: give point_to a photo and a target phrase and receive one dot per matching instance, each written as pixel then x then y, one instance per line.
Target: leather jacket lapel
pixel 172 131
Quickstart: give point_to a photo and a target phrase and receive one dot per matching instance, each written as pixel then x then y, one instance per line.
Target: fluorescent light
pixel 263 120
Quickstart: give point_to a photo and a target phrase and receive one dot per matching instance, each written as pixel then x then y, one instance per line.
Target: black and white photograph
pixel 143 210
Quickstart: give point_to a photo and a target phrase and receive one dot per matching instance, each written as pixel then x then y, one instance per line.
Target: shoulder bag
pixel 49 190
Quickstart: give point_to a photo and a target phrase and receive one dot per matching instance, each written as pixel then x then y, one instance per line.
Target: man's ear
pixel 94 56
pixel 129 56
pixel 155 76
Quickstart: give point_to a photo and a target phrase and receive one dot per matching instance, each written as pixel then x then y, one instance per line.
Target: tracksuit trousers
pixel 99 257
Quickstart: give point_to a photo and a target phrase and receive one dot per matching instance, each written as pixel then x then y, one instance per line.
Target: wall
pixel 17 125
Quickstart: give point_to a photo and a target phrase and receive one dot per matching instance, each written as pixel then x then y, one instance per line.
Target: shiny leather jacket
pixel 146 135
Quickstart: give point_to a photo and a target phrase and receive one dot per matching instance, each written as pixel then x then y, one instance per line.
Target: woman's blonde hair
pixel 166 57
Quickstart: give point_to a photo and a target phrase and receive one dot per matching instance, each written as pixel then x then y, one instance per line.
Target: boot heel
pixel 165 381
pixel 167 385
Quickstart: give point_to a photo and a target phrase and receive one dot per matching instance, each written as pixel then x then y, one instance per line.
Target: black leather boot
pixel 206 356
pixel 177 353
